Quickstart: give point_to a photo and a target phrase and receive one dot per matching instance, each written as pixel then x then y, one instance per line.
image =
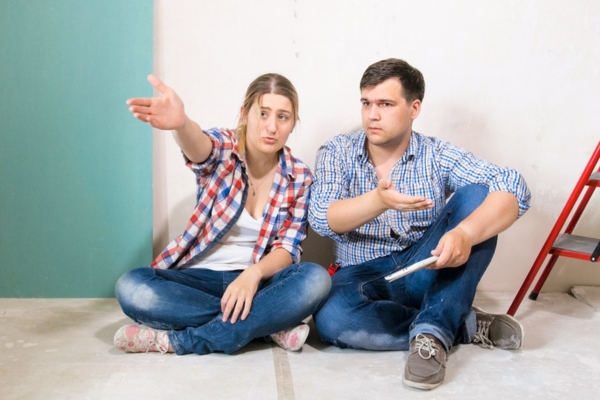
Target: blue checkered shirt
pixel 430 167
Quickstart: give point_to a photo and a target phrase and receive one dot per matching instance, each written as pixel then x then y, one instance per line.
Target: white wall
pixel 516 82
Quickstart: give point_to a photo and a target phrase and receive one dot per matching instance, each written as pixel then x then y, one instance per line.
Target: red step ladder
pixel 565 244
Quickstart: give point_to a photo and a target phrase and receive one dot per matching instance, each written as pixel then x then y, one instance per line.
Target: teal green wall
pixel 75 166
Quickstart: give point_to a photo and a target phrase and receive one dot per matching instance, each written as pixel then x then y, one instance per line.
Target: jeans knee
pixel 132 291
pixel 468 198
pixel 474 192
pixel 317 281
pixel 125 283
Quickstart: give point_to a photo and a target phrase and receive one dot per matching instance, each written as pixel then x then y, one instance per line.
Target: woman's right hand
pixel 164 112
pixel 237 299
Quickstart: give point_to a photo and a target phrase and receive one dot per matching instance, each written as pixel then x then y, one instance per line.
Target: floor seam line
pixel 283 374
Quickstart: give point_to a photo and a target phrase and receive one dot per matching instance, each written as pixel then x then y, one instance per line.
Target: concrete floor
pixel 62 349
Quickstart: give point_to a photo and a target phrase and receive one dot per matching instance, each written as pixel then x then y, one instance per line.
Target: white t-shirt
pixel 234 250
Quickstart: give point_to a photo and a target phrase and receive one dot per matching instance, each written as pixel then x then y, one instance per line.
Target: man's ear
pixel 415 109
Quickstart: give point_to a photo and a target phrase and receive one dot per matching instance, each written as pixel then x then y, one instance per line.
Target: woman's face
pixel 269 124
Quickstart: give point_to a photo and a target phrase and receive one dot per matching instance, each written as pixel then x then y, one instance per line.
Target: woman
pixel 234 274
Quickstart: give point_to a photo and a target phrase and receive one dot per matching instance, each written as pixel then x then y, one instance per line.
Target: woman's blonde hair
pixel 267 83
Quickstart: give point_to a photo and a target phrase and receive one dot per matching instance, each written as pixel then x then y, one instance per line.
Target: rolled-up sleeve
pixel 462 168
pixel 223 141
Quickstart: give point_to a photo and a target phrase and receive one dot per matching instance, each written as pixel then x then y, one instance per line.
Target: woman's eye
pixel 263 114
pixel 283 117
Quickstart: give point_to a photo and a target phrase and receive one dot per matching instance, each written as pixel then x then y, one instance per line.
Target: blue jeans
pixel 187 303
pixel 364 311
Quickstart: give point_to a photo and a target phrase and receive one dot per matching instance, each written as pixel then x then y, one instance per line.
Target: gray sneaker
pixel 498 331
pixel 426 366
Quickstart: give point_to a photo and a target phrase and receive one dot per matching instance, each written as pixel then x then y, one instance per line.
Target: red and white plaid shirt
pixel 222 193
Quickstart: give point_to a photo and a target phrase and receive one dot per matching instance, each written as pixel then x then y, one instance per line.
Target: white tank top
pixel 234 250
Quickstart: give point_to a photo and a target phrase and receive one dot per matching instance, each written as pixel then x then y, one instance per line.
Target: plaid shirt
pixel 430 167
pixel 222 193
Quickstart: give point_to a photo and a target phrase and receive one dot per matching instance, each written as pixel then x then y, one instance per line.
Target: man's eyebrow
pixel 378 100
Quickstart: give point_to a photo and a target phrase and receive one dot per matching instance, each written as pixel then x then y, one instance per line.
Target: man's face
pixel 386 115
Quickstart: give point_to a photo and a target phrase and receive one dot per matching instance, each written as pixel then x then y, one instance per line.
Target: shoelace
pixel 483 334
pixel 426 344
pixel 155 341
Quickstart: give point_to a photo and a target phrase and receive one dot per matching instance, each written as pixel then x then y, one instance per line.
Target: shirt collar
pixel 412 149
pixel 362 155
pixel 409 154
pixel 286 163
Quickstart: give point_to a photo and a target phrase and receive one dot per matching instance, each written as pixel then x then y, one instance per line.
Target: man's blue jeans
pixel 187 303
pixel 364 311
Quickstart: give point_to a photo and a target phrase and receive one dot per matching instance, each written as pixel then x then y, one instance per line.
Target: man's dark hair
pixel 411 78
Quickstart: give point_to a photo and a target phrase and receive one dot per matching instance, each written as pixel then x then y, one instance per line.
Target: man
pixel 382 194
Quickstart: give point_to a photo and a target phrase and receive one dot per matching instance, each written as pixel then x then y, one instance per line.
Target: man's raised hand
pixel 394 200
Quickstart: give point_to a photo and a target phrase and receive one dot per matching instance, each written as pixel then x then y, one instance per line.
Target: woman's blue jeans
pixel 364 311
pixel 187 303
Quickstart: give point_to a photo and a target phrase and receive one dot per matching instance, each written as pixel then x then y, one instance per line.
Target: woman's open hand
pixel 164 111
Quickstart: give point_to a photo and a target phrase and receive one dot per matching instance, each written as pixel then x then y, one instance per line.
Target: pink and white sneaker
pixel 141 339
pixel 291 339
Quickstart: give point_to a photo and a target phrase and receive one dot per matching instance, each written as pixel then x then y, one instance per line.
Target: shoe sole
pixel 421 385
pixel 302 336
pixel 509 317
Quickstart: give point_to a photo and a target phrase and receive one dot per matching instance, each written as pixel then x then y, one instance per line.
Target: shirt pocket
pixel 430 189
pixel 282 216
pixel 278 220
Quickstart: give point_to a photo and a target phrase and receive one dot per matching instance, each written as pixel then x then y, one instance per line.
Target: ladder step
pixel 574 243
pixel 566 245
